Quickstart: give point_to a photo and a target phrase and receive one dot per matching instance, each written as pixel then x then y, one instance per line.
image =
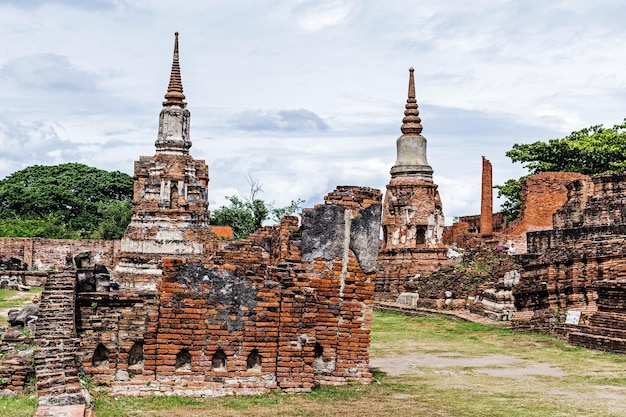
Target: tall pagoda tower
pixel 170 201
pixel 412 219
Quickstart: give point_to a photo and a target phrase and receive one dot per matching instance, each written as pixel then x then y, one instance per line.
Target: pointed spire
pixel 174 95
pixel 411 123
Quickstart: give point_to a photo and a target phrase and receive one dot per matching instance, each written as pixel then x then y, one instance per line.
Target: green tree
pixel 237 215
pixel 245 217
pixel 72 194
pixel 511 191
pixel 590 151
pixel 49 227
pixel 247 214
pixel 115 216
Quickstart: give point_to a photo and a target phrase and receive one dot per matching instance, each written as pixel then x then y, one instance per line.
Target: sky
pixel 305 95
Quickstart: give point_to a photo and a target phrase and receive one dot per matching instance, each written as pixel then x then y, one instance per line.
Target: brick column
pixel 486 201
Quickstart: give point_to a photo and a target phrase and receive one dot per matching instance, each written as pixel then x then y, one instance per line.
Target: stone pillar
pixel 486 201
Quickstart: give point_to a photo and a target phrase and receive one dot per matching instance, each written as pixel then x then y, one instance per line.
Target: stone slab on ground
pixel 421 311
pixel 61 411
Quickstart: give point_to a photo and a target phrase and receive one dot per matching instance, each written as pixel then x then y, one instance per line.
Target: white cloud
pixel 47 71
pixel 326 82
pixel 316 15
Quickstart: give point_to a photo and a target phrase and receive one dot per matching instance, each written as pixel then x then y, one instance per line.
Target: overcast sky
pixel 305 95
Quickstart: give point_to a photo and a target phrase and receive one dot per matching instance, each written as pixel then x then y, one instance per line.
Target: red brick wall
pixel 47 254
pixel 486 200
pixel 309 320
pixel 542 195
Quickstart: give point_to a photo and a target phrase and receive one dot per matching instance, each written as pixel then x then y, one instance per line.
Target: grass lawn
pixel 438 366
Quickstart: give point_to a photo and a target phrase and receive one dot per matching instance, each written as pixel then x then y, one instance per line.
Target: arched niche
pixel 183 360
pixel 135 356
pixel 218 362
pixel 253 363
pixel 100 358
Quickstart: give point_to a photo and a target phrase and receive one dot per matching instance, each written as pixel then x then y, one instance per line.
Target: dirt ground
pixel 501 366
pixel 493 365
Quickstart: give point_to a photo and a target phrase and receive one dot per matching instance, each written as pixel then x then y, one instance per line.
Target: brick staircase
pixel 56 366
pixel 606 329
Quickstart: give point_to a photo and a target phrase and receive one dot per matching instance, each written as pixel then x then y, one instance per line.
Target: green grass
pixel 20 406
pixel 593 383
pixel 15 299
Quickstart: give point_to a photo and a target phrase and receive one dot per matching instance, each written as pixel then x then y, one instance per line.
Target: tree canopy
pixel 247 214
pixel 590 151
pixel 69 200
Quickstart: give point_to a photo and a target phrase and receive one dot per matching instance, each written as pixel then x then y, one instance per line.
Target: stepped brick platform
pixel 56 366
pixel 579 266
pixel 607 327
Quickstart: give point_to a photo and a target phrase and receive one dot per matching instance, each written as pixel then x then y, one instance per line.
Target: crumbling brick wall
pixel 565 266
pixel 52 254
pixel 290 307
pixel 542 195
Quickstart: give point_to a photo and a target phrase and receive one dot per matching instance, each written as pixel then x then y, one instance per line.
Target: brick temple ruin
pixel 288 308
pixel 170 198
pixel 579 267
pixel 412 219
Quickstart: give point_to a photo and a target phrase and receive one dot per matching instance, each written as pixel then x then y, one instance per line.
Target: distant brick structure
pixel 486 199
pixel 413 220
pixel 579 266
pixel 542 195
pixel 54 254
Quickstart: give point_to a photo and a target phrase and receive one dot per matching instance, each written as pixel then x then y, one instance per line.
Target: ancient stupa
pixel 170 199
pixel 412 219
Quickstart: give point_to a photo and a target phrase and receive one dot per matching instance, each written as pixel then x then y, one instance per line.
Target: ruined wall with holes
pixel 289 308
pixel 54 254
pixel 579 266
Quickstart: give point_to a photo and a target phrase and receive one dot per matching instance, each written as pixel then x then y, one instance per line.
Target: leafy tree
pixel 590 151
pixel 511 191
pixel 72 194
pixel 115 216
pixel 247 214
pixel 237 215
pixel 50 227
pixel 245 217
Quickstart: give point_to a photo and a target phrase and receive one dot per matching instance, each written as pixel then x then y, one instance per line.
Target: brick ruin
pixel 579 268
pixel 541 196
pixel 412 219
pixel 42 255
pixel 288 308
pixel 170 213
pixel 486 199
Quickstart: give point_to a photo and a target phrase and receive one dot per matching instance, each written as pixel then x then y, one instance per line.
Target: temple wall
pixel 51 254
pixel 579 266
pixel 289 308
